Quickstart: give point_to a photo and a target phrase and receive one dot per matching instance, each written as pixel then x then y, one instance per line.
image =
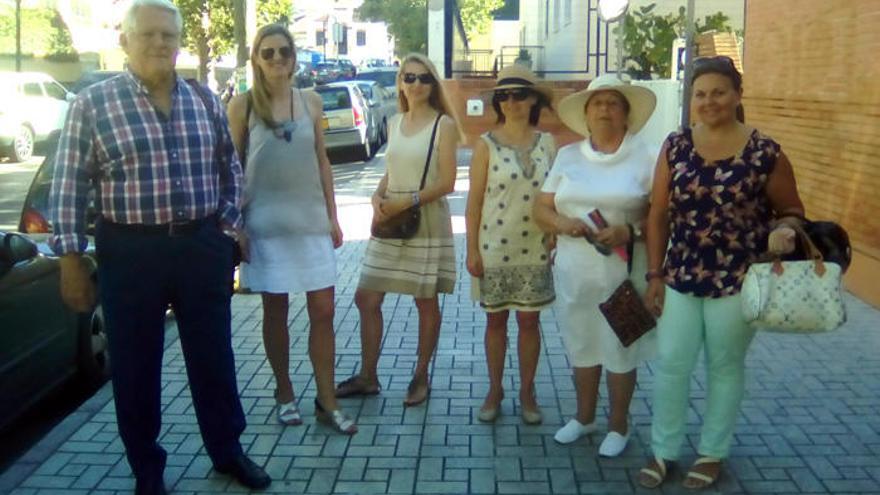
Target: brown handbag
pixel 625 311
pixel 405 224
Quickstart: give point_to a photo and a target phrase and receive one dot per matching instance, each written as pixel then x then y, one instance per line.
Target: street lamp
pixel 613 11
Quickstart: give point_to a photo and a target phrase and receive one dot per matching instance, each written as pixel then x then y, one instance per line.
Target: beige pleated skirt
pixel 421 266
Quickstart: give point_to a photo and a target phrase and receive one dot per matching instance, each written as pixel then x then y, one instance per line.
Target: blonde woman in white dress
pixel 424 265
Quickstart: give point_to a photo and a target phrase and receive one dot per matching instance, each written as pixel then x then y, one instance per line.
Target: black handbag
pixel 405 224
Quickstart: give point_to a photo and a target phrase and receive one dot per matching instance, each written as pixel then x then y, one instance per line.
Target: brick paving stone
pixel 810 419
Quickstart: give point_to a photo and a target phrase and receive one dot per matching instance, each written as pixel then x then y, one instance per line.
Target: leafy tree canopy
pixel 648 38
pixel 43 34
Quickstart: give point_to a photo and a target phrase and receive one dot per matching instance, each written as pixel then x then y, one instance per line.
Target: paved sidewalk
pixel 810 421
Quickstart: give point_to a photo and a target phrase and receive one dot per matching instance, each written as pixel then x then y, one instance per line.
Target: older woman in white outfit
pixel 609 171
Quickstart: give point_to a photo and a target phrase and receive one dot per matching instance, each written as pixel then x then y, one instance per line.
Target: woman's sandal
pixel 654 474
pixel 355 386
pixel 697 479
pixel 288 413
pixel 338 420
pixel 411 389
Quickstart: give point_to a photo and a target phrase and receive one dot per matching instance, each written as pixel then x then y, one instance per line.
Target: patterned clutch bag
pixel 627 314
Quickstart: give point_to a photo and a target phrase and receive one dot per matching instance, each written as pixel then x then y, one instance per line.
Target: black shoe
pixel 150 487
pixel 246 472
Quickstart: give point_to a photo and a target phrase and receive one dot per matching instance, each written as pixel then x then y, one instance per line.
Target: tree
pixel 648 37
pixel 35 24
pixel 208 31
pixel 271 11
pixel 407 20
pixel 476 15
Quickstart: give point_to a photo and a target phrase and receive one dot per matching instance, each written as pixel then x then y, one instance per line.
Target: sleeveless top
pixel 283 193
pixel 719 214
pixel 405 157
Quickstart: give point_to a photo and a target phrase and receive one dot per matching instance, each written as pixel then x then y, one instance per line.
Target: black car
pixel 42 343
pixel 35 212
pixel 92 77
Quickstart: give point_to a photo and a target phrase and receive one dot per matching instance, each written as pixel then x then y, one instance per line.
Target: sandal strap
pixel 343 421
pixel 707 460
pixel 702 477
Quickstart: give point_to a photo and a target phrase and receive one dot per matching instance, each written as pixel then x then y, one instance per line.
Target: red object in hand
pixel 600 223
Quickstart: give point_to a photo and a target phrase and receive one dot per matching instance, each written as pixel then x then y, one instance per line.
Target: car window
pixel 335 98
pixel 32 89
pixel 366 90
pixel 385 78
pixel 55 90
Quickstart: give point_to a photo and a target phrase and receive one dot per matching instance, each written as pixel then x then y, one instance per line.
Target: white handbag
pixel 794 296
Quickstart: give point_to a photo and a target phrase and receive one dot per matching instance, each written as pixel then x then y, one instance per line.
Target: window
pixel 335 98
pixel 319 38
pixel 567 12
pixel 54 90
pixel 32 89
pixel 546 19
pixel 361 38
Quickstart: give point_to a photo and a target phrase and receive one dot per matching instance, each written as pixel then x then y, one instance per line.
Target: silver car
pixel 383 106
pixel 347 120
pixel 32 107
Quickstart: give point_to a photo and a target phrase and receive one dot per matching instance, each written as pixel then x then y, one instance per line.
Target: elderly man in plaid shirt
pixel 158 151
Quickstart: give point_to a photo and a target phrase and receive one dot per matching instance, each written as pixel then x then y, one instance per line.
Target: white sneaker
pixel 574 430
pixel 613 444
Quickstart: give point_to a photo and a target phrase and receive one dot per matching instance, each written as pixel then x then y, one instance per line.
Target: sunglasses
pixel 518 94
pixel 424 78
pixel 285 131
pixel 269 53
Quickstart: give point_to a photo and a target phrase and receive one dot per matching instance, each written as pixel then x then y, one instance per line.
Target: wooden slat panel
pixel 811 82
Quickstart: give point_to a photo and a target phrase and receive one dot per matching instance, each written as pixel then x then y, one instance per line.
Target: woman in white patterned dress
pixel 424 265
pixel 507 252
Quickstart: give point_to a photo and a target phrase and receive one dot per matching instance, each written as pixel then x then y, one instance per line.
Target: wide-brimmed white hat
pixel 518 76
pixel 641 104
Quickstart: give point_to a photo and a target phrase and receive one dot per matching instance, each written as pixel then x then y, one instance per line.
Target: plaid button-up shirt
pixel 148 168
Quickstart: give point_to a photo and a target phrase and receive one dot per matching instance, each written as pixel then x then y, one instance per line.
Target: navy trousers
pixel 139 274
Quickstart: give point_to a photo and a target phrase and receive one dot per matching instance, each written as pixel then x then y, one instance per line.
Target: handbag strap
pixel 813 252
pixel 430 151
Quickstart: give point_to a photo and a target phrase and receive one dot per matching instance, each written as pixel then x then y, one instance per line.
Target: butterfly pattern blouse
pixel 719 214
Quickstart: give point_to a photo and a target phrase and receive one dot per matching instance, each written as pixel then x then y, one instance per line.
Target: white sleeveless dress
pixel 285 213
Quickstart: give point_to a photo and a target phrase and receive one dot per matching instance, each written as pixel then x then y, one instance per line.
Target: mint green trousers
pixel 688 325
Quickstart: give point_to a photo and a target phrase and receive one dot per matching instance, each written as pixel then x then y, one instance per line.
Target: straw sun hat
pixel 641 104
pixel 518 76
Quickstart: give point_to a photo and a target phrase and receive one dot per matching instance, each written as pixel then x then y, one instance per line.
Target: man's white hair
pixel 128 21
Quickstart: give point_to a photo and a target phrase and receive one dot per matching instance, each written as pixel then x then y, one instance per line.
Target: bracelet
pixel 652 274
pixel 416 200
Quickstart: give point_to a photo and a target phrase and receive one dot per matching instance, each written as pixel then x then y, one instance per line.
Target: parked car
pixel 349 71
pixel 386 76
pixel 382 105
pixel 327 72
pixel 32 108
pixel 42 342
pixel 374 62
pixel 304 76
pixel 347 122
pixel 35 211
pixel 92 77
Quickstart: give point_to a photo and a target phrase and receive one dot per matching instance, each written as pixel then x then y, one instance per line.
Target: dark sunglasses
pixel 518 94
pixel 285 131
pixel 269 53
pixel 424 78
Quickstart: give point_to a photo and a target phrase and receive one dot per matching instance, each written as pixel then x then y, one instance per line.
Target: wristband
pixel 651 274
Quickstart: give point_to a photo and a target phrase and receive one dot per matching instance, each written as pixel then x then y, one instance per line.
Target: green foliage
pixel 648 37
pixel 43 34
pixel 207 27
pixel 476 15
pixel 271 11
pixel 407 21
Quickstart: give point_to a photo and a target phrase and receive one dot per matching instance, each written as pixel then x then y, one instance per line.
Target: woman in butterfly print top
pixel 723 194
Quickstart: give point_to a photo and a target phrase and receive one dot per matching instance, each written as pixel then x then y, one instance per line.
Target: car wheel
pixel 367 151
pixel 23 144
pixel 93 348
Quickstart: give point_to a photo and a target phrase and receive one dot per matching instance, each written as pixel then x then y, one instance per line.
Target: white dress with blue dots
pixel 516 264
